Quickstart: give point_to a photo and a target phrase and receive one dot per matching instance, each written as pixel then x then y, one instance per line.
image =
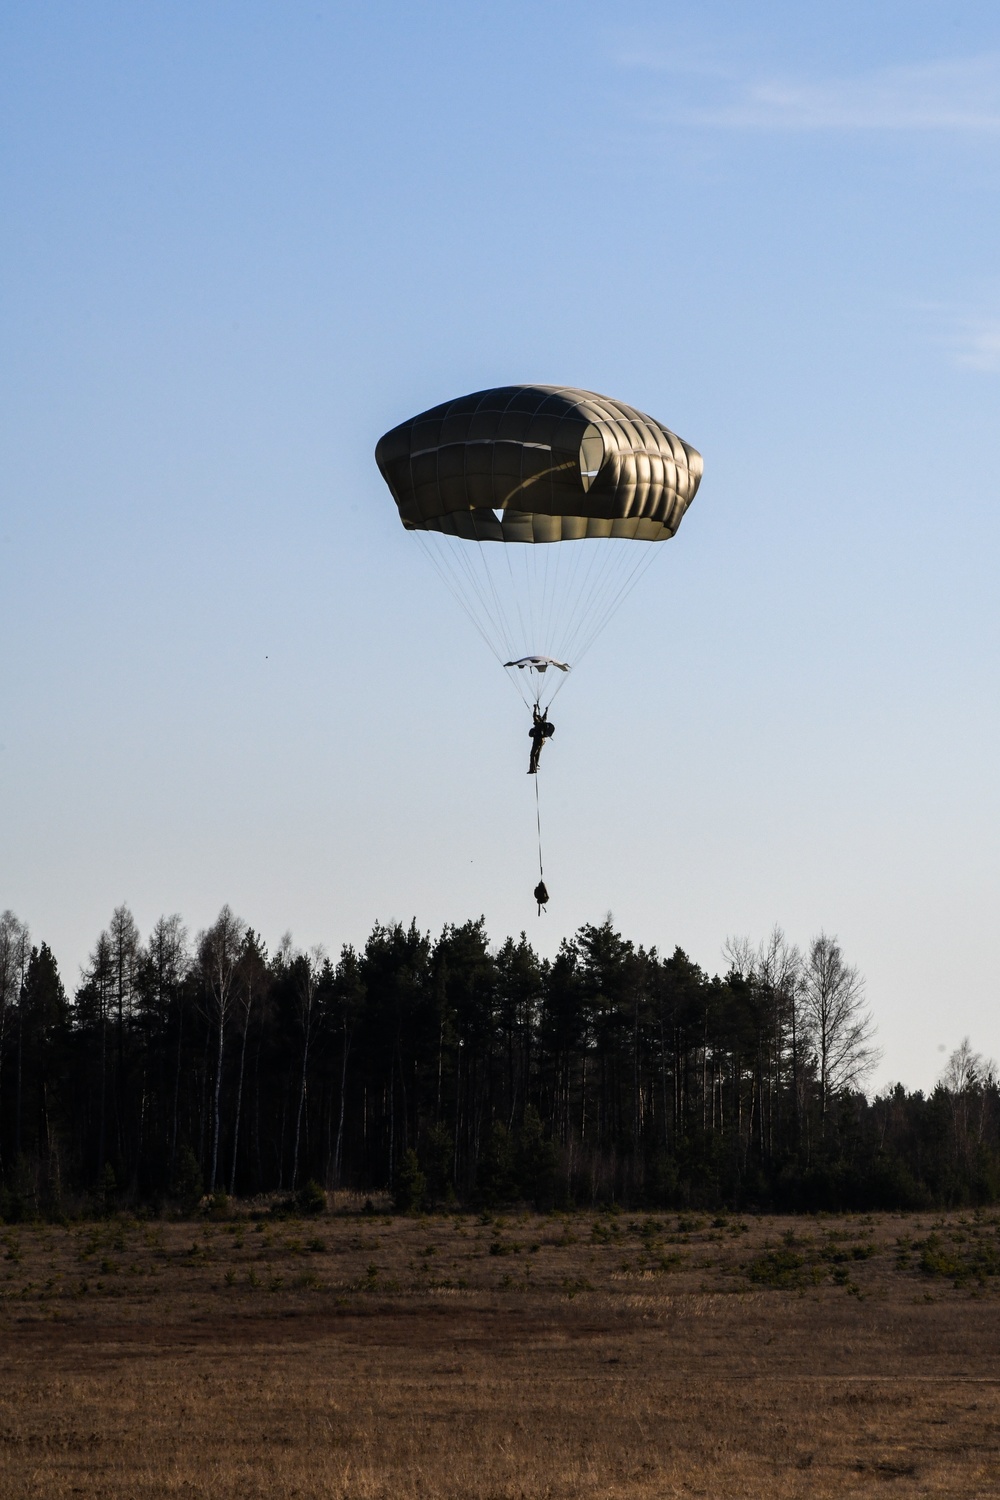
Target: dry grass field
pixel 502 1357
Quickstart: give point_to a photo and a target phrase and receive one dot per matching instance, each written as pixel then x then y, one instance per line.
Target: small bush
pixel 778 1268
pixel 311 1198
pixel 411 1185
pixel 187 1185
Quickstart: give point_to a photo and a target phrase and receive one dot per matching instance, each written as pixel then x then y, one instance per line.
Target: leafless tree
pixel 774 971
pixel 965 1069
pixel 125 951
pixel 219 954
pixel 970 1081
pixel 99 978
pixel 837 1023
pixel 778 966
pixel 252 981
pixel 15 948
pixel 123 936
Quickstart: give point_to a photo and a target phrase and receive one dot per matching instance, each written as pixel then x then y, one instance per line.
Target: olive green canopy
pixel 539 463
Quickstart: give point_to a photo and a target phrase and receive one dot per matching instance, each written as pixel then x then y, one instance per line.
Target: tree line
pixel 449 1070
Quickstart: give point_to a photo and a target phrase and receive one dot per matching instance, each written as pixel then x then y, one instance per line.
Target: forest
pixel 447 1070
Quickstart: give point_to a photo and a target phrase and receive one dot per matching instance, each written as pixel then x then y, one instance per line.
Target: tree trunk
pixel 298 1113
pixel 177 1087
pixel 216 1098
pixel 239 1105
pixel 338 1152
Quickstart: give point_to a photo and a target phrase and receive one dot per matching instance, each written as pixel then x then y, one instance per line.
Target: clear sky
pixel 241 240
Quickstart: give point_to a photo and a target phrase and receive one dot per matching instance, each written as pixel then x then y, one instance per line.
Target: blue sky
pixel 240 241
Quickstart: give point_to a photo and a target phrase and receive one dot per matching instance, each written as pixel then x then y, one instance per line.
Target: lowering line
pixel 540 893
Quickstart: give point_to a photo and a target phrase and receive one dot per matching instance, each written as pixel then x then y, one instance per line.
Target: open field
pixel 520 1356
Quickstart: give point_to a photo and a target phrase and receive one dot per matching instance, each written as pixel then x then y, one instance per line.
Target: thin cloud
pixel 971 336
pixel 962 95
pixel 977 344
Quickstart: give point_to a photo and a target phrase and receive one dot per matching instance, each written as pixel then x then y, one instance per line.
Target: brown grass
pixel 564 1356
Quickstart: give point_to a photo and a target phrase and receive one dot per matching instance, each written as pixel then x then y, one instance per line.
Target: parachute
pixel 497 486
pixel 529 466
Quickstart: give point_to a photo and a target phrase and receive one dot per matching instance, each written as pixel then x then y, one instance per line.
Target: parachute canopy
pixel 539 463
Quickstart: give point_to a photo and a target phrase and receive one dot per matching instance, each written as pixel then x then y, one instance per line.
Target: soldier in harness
pixel 541 730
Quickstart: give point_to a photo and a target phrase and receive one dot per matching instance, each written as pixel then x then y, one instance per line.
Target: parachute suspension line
pixel 570 600
pixel 530 572
pixel 630 582
pixel 494 610
pixel 515 682
pixel 554 693
pixel 541 579
pixel 559 566
pixel 599 576
pixel 618 598
pixel 587 586
pixel 454 587
pixel 528 645
pixel 460 589
pixel 497 601
pixel 573 564
pixel 470 590
pixel 499 614
pixel 553 561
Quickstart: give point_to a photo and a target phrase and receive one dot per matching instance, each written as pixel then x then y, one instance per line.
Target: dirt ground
pixel 502 1358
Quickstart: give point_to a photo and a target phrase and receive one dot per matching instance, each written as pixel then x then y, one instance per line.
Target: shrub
pixel 436 1160
pixel 187 1186
pixel 410 1187
pixel 536 1161
pixel 311 1198
pixel 777 1268
pixel 495 1179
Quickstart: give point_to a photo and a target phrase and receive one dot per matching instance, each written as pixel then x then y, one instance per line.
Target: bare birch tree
pixel 970 1082
pixel 251 983
pixel 99 981
pixel 219 954
pixel 778 965
pixel 773 971
pixel 836 1020
pixel 15 947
